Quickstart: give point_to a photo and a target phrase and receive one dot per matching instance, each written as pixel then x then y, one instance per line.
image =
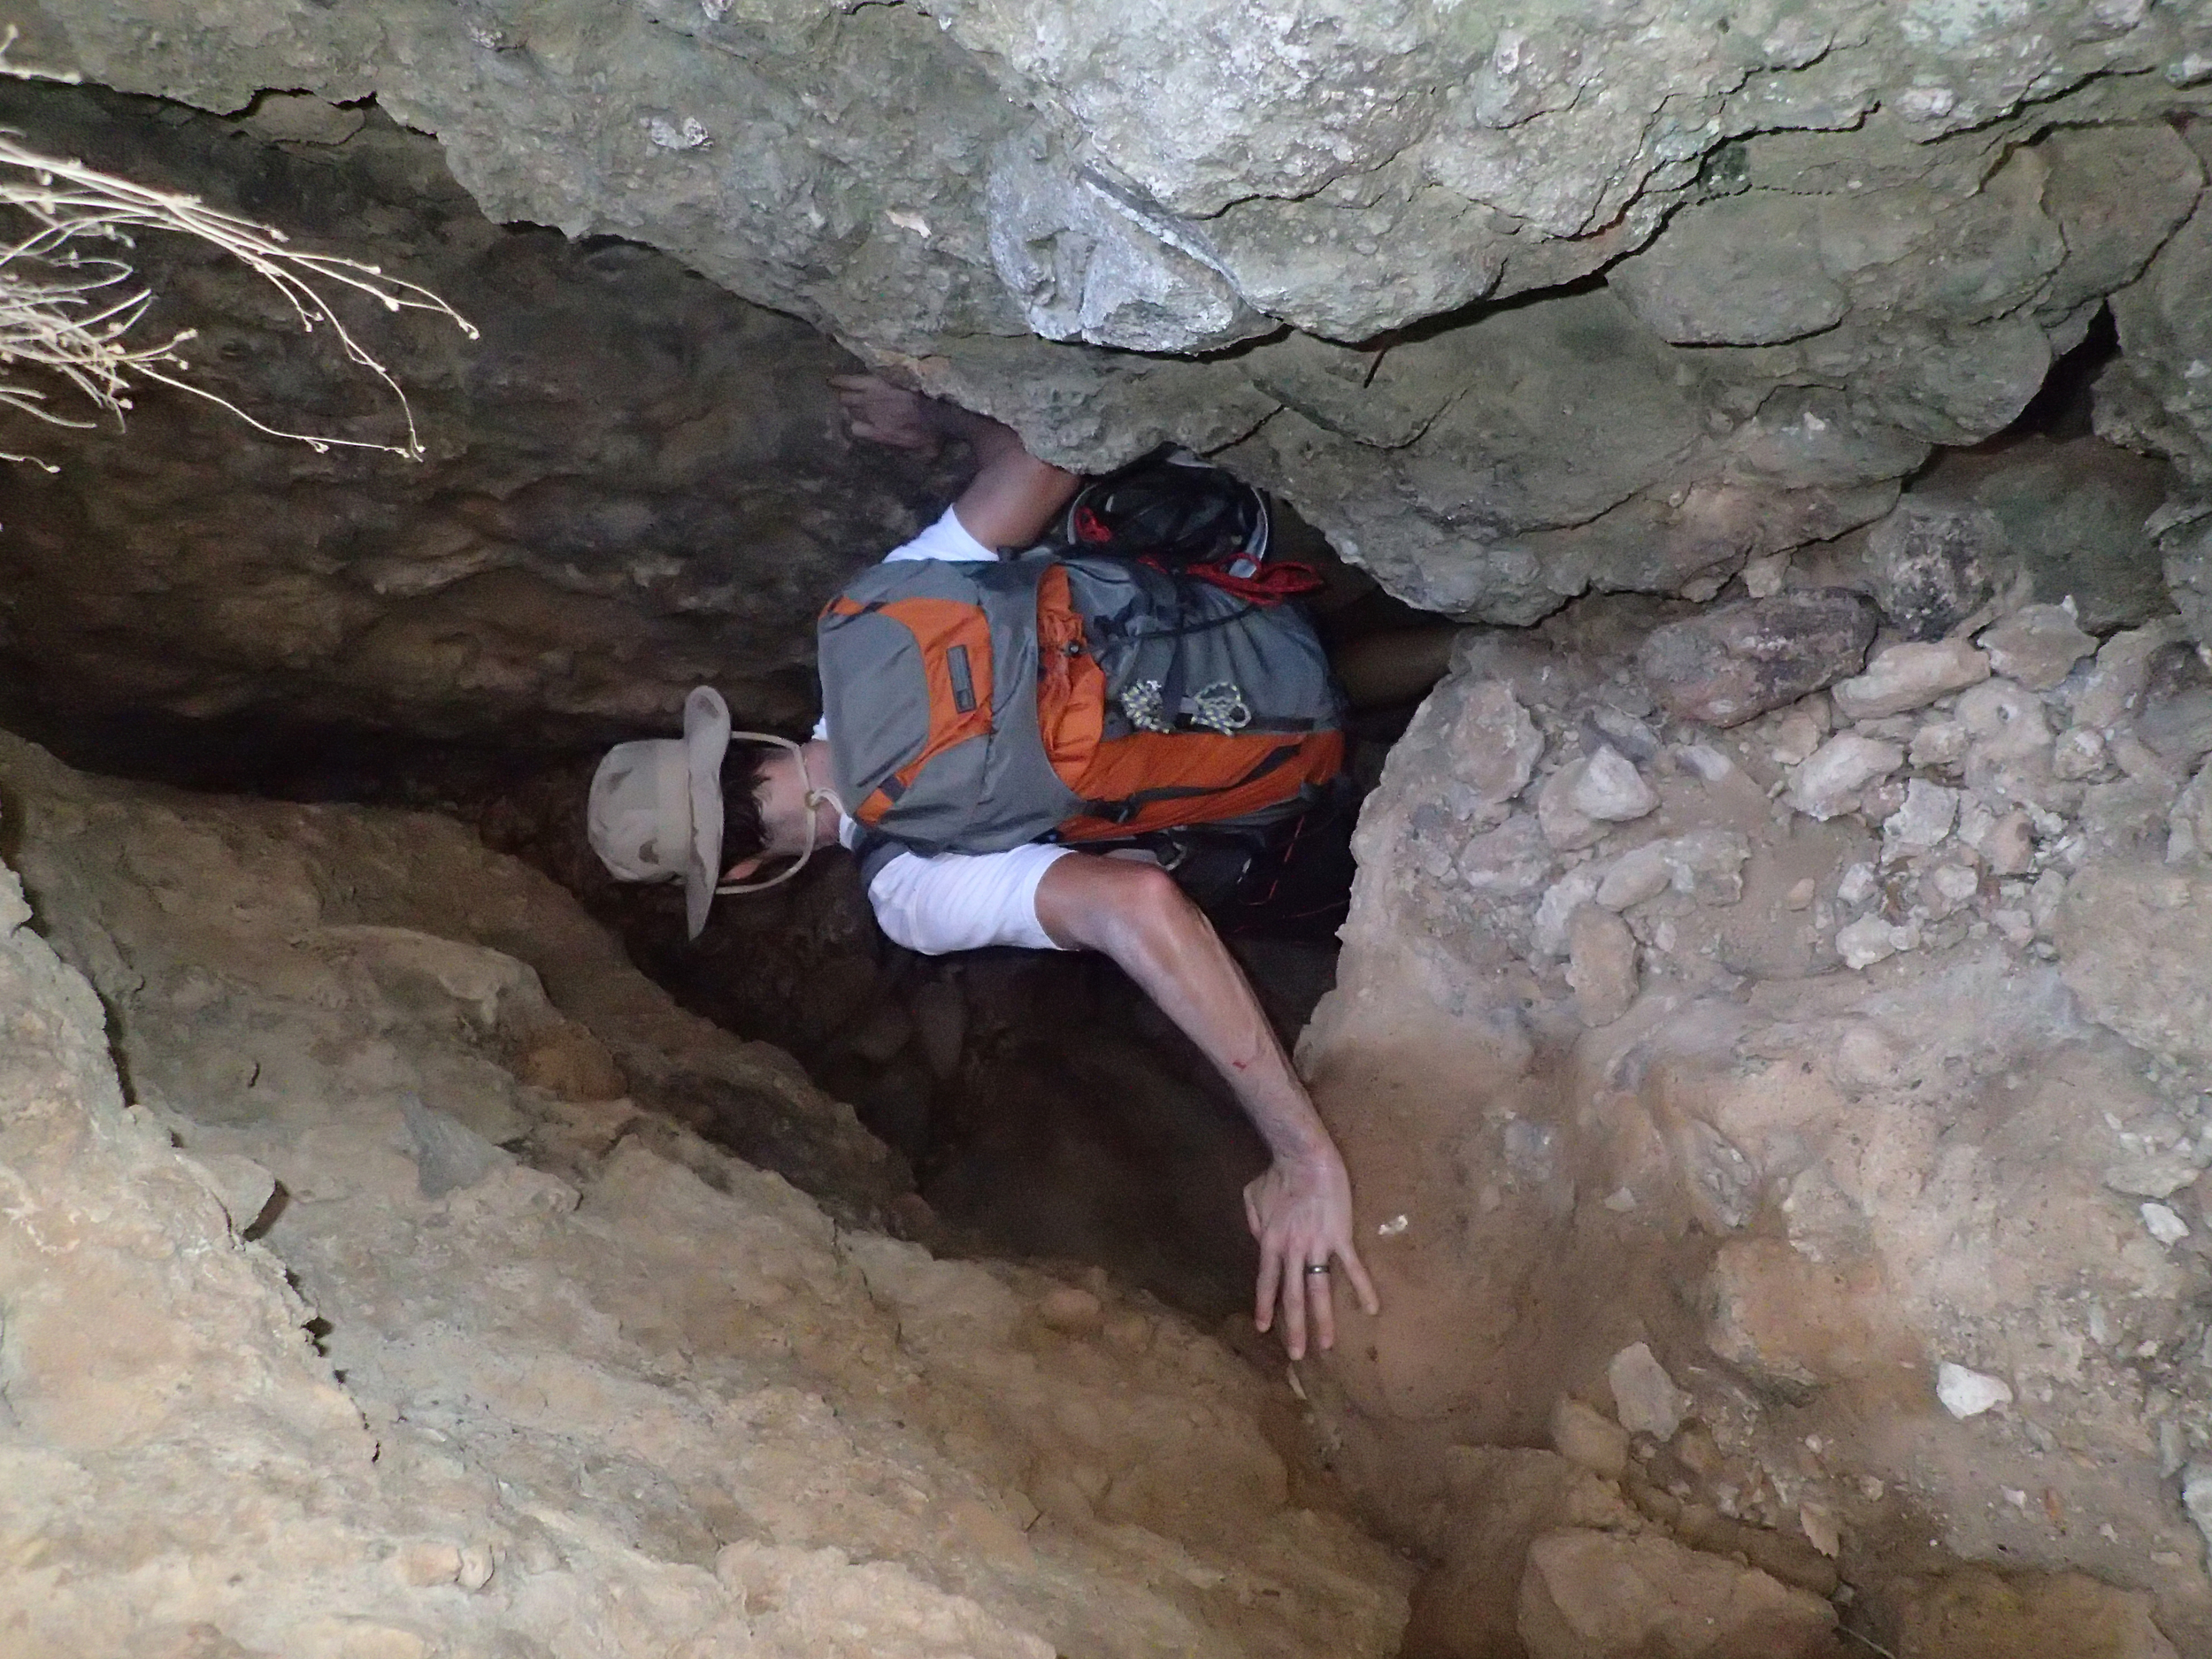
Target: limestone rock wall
pixel 1837 1052
pixel 635 481
pixel 1362 242
pixel 578 1383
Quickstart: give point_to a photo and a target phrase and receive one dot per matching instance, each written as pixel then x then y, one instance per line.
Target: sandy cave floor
pixel 582 1382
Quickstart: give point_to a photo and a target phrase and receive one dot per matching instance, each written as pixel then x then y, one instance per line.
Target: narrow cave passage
pixel 1768 1044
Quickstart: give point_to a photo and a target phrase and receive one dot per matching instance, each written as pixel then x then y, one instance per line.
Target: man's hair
pixel 741 832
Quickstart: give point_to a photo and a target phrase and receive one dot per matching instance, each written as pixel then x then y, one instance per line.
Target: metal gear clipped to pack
pixel 1221 707
pixel 1144 705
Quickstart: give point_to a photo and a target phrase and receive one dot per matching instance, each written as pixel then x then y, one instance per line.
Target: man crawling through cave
pixel 1157 702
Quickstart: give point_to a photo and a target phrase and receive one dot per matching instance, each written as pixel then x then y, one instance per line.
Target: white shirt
pixel 956 901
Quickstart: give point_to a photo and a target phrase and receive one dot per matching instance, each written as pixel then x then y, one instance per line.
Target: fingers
pixel 1369 1302
pixel 1271 1280
pixel 1294 1293
pixel 1320 1292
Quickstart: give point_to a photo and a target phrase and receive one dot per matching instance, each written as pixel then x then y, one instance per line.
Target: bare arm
pixel 1012 496
pixel 1300 1207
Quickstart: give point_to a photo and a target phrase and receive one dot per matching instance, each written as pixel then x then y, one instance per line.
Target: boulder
pixel 1602 1595
pixel 1932 561
pixel 1734 662
pixel 1600 964
pixel 1907 677
pixel 2037 645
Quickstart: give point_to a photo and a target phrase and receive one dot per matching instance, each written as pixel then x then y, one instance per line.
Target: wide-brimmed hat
pixel 656 811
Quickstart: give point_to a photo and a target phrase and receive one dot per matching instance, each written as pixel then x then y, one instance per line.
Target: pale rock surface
pixel 1910 676
pixel 1869 940
pixel 1608 788
pixel 1917 1137
pixel 1600 964
pixel 2164 1224
pixel 1921 825
pixel 1494 747
pixel 2122 672
pixel 1565 827
pixel 2189 825
pixel 1644 1396
pixel 1944 206
pixel 1981 1614
pixel 1582 1435
pixel 608 1379
pixel 1737 661
pixel 1967 1394
pixel 2037 645
pixel 1829 781
pixel 1598 1596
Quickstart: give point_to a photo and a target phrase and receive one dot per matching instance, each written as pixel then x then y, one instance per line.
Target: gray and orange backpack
pixel 1142 676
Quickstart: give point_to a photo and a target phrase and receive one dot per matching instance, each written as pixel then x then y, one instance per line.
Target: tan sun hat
pixel 655 809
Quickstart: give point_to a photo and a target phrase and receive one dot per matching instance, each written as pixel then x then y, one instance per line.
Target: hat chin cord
pixel 815 800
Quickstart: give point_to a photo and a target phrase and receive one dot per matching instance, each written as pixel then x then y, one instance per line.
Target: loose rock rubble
pixel 1833 1114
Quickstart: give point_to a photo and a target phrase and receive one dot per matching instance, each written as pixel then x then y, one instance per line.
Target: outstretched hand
pixel 887 414
pixel 1302 1215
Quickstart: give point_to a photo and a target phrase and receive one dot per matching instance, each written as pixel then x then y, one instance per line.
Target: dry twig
pixel 68 304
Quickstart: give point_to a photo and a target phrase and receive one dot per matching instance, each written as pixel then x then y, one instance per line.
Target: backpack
pixel 1187 517
pixel 1068 695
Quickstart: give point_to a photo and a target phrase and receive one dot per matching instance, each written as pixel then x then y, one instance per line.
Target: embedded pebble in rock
pixel 1610 789
pixel 1907 677
pixel 1931 561
pixel 2016 927
pixel 2157 1177
pixel 1967 1394
pixel 1830 780
pixel 1858 885
pixel 1645 1398
pixel 1600 964
pixel 1512 859
pixel 1583 1434
pixel 2078 754
pixel 1870 940
pixel 1547 929
pixel 1796 735
pixel 1565 827
pixel 1762 579
pixel 2196 1498
pixel 1940 745
pixel 2007 845
pixel 1704 762
pixel 1947 887
pixel 1072 1309
pixel 1494 746
pixel 1920 825
pixel 1737 661
pixel 1708 864
pixel 1637 874
pixel 2037 645
pixel 2189 823
pixel 2007 721
pixel 1801 894
pixel 424 1562
pixel 2116 684
pixel 2164 1224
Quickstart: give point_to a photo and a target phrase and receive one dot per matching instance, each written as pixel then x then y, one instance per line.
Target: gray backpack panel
pixel 994 790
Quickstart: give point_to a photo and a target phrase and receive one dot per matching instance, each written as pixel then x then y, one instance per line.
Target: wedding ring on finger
pixel 1317 1267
